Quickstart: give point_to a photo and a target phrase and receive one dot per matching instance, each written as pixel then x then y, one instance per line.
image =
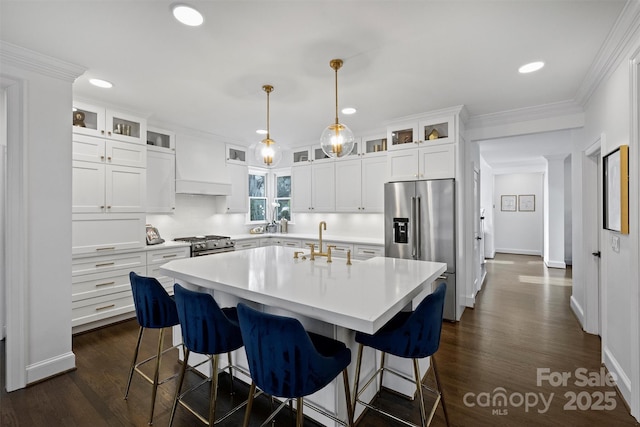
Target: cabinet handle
pixel 109 133
pixel 102 132
pixel 102 207
pixel 108 206
pixel 169 256
pixel 105 264
pixel 105 307
pixel 102 158
pixel 109 158
pixel 106 248
pixel 369 252
pixel 105 284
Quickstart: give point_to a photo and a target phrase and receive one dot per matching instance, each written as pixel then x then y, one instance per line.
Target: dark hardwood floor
pixel 521 323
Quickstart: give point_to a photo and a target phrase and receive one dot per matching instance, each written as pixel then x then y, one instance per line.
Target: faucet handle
pixel 295 254
pixel 329 252
pixel 313 254
pixel 349 257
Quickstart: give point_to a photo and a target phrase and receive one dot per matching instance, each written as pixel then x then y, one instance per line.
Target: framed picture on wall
pixel 527 202
pixel 615 169
pixel 508 203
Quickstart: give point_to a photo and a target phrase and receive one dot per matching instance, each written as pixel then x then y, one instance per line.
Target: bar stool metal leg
pixel 133 363
pixel 438 386
pixel 156 374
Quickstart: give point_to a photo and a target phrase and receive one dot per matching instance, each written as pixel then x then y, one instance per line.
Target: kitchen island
pixel 333 299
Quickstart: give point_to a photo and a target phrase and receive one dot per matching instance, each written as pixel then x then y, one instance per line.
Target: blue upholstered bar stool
pixel 288 362
pixel 411 335
pixel 210 330
pixel 155 309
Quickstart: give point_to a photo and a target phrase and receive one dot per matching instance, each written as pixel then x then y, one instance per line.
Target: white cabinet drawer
pixel 103 283
pixel 132 260
pixel 106 233
pixel 93 309
pixel 366 251
pixel 166 255
pixel 289 243
pixel 246 244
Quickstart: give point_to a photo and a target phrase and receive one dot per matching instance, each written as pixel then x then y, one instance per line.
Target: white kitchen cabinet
pixel 311 154
pixel 348 186
pixel 161 140
pixel 301 200
pixel 236 154
pixel 161 181
pixel 437 161
pixel 432 162
pixel 238 201
pixel 363 252
pixel 101 287
pixel 247 244
pixel 100 122
pixel 374 176
pixel 107 233
pixel 107 188
pixel 428 131
pixel 288 243
pixel 374 145
pixel 266 241
pixel 323 187
pixel 360 184
pixel 160 256
pixel 100 150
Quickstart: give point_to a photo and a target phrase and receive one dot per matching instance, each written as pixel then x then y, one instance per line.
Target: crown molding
pixel 625 31
pixel 537 112
pixel 20 57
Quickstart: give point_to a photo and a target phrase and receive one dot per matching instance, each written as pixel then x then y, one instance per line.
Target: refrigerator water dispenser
pixel 400 230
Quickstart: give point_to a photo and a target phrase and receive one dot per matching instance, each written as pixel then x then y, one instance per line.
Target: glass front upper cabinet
pixel 374 145
pixel 236 154
pixel 437 131
pixel 160 139
pixel 97 121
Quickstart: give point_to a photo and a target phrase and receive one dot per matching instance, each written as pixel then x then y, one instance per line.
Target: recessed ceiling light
pixel 101 83
pixel 187 15
pixel 531 67
pixel 261 132
pixel 349 110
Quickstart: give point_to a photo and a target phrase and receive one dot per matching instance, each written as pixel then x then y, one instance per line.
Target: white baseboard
pixel 51 367
pixel 518 251
pixel 622 380
pixel 577 310
pixel 556 264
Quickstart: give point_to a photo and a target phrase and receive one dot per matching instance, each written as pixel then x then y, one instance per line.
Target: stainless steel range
pixel 208 245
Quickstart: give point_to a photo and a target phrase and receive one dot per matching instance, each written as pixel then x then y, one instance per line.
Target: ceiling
pixel 400 57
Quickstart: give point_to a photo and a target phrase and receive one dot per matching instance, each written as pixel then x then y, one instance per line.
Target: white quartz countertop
pixel 362 296
pixel 314 237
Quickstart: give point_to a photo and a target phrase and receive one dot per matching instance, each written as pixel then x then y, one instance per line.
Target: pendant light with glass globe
pixel 337 140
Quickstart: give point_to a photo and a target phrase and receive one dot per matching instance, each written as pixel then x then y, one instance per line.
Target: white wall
pixel 3 180
pixel 39 214
pixel 487 203
pixel 518 232
pixel 608 118
pixel 568 212
pixel 554 213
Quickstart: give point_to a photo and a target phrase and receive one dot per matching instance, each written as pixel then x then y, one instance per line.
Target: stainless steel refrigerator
pixel 420 224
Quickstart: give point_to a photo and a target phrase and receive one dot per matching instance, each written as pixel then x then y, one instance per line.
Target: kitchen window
pixel 269 195
pixel 282 195
pixel 257 196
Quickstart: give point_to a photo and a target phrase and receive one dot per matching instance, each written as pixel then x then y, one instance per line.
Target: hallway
pixel 522 322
